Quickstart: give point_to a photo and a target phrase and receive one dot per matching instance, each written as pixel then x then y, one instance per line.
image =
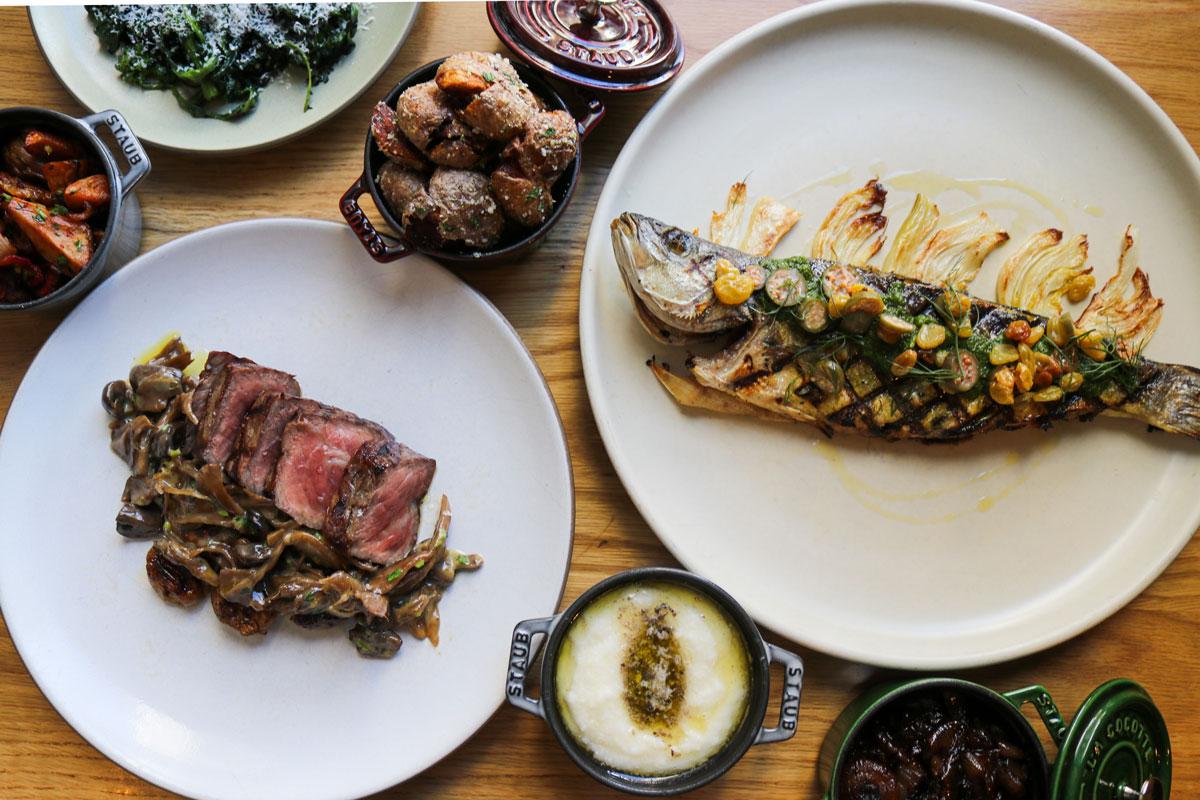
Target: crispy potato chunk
pixel 500 111
pixel 525 200
pixel 404 191
pixel 421 111
pixel 459 146
pixel 472 72
pixel 548 145
pixel 390 141
pixel 467 211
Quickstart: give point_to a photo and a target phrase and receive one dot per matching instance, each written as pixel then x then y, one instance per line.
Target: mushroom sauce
pixel 653 678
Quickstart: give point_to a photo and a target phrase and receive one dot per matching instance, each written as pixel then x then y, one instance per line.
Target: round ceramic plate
pixel 181 699
pixel 73 50
pixel 901 554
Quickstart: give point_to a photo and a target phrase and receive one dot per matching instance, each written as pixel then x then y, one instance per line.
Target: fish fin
pixel 1035 277
pixel 770 221
pixel 723 226
pixel 954 255
pixel 852 233
pixel 1124 307
pixel 690 394
pixel 914 234
pixel 1169 400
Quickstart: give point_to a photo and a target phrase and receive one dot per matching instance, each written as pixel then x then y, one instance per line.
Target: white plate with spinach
pixel 221 78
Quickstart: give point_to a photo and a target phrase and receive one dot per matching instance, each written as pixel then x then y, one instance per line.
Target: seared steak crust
pixel 234 388
pixel 377 511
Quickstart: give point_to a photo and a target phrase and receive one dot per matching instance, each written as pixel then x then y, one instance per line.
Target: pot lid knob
pixel 1152 789
pixel 1117 746
pixel 616 45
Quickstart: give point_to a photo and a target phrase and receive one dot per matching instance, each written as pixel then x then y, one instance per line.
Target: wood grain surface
pixel 1155 640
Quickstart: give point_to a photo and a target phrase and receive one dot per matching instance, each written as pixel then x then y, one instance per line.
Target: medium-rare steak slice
pixel 208 376
pixel 253 462
pixel 314 451
pixel 378 508
pixel 236 386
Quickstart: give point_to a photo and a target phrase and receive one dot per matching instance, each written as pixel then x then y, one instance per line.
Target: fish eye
pixel 676 241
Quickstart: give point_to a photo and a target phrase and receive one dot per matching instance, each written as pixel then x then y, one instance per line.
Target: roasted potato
pixel 472 72
pixel 404 191
pixel 421 111
pixel 390 141
pixel 500 111
pixel 467 211
pixel 457 145
pixel 548 145
pixel 525 200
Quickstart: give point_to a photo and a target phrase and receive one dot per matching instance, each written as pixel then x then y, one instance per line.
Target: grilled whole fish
pixel 851 349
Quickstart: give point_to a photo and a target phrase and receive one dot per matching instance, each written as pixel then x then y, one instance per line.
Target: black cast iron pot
pixel 123 217
pixel 515 242
pixel 749 732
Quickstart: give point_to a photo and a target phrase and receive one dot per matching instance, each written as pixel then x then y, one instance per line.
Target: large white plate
pixel 74 52
pixel 174 695
pixel 897 554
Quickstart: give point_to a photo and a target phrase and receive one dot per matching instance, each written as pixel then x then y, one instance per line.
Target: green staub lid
pixel 1117 748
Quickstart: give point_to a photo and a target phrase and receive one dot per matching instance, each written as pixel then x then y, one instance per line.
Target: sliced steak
pixel 378 508
pixel 253 462
pixel 314 451
pixel 208 376
pixel 235 387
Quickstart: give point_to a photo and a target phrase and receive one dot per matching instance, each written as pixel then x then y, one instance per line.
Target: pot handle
pixel 789 710
pixel 1041 700
pixel 520 654
pixel 382 248
pixel 136 160
pixel 591 117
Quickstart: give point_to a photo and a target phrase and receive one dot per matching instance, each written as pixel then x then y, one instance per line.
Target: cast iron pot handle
pixel 136 160
pixel 520 654
pixel 381 248
pixel 591 118
pixel 789 710
pixel 1042 701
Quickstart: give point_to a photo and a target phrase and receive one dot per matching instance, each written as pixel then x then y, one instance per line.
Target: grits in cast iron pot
pixel 949 739
pixel 655 681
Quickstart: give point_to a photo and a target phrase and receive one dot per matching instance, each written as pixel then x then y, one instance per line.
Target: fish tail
pixel 1169 400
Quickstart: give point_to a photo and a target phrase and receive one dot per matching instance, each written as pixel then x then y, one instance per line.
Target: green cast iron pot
pixel 1116 748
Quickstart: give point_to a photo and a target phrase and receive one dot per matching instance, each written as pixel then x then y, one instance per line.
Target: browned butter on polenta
pixel 652 678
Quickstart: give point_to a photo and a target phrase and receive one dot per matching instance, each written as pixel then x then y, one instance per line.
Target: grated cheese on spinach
pixel 216 58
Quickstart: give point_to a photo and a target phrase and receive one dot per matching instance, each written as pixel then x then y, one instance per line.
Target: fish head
pixel 669 273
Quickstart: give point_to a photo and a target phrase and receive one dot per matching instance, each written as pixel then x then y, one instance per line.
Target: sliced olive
pixel 814 316
pixel 786 287
pixel 828 376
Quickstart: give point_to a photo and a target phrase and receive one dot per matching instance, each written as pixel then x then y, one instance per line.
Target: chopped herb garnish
pixel 534 193
pixel 59 210
pixel 39 216
pixel 489 77
pixel 395 575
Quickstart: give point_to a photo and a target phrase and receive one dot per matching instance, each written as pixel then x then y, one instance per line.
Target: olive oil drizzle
pixel 653 671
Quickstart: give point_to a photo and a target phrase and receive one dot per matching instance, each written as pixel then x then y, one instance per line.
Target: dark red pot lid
pixel 616 45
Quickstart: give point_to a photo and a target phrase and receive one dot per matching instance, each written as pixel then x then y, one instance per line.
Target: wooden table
pixel 1155 640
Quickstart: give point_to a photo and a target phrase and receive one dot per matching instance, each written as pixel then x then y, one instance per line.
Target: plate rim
pixel 145 771
pixel 413 7
pixel 588 322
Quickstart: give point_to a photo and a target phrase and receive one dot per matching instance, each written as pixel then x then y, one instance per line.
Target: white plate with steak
pixel 341 399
